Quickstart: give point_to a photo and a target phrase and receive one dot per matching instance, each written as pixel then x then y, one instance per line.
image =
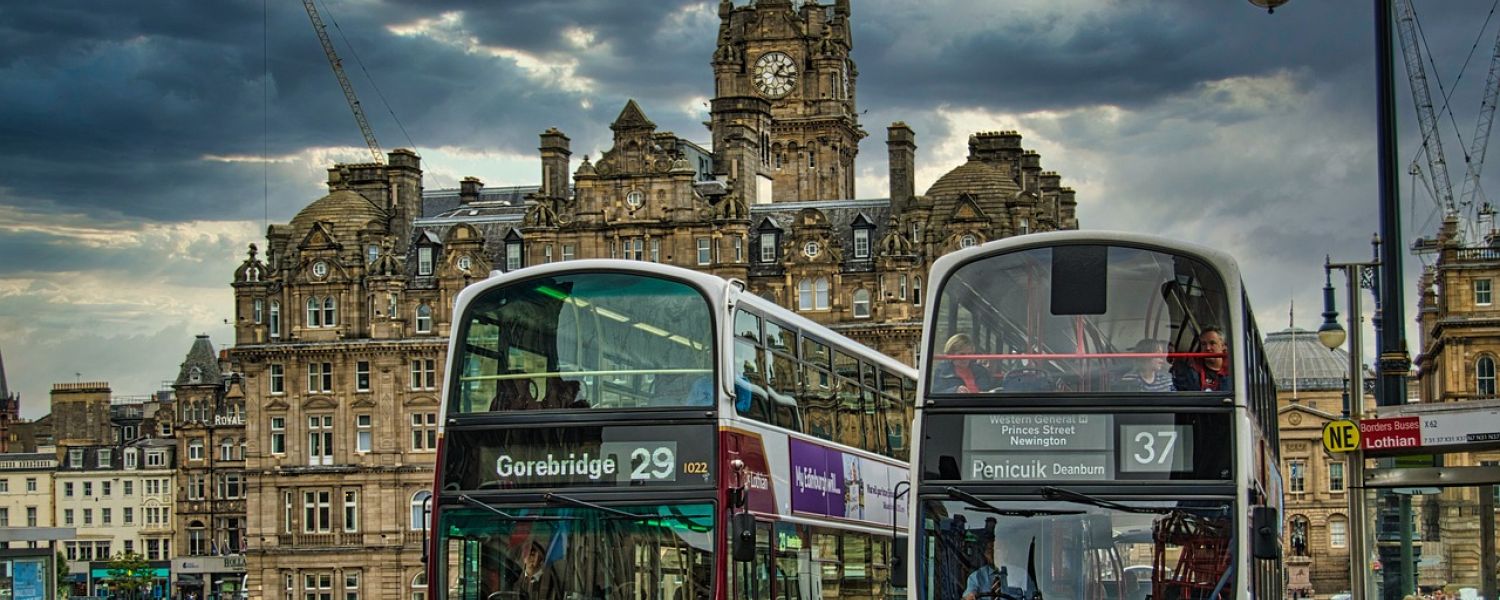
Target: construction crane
pixel 1481 138
pixel 338 71
pixel 1437 166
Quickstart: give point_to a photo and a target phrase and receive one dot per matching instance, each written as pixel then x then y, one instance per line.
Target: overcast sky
pixel 145 145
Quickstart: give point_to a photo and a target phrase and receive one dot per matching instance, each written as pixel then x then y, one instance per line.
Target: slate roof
pixel 345 209
pixel 444 201
pixel 202 357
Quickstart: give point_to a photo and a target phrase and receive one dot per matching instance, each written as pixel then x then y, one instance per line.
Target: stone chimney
pixel 468 190
pixel 901 143
pixel 555 167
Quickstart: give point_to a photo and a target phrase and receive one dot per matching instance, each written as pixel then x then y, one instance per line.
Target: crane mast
pixel 338 71
pixel 1437 166
pixel 1481 138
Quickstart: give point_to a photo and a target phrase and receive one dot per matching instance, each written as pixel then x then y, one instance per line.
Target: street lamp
pixel 1269 5
pixel 1331 335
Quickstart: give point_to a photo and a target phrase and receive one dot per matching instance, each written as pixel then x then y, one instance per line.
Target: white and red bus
pixel 1097 421
pixel 628 430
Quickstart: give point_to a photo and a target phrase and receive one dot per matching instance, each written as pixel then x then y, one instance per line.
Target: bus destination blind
pixel 1074 447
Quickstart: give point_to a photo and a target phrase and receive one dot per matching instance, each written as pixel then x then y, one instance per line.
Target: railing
pixel 319 540
pixel 412 537
pixel 1479 254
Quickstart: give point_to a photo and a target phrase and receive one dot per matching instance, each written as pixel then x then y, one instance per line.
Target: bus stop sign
pixel 1341 436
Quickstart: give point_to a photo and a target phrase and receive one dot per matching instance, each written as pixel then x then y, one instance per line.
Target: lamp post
pixel 1332 335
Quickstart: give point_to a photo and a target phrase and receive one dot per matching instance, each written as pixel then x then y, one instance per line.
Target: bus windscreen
pixel 585 340
pixel 1080 318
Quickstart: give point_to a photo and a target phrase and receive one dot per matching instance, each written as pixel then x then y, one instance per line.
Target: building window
pixel 372 253
pixel 738 244
pixel 351 510
pixel 513 256
pixel 320 440
pixel 902 288
pixel 330 312
pixel 424 318
pixel 424 431
pixel 288 511
pixel 363 434
pixel 88 517
pixel 804 294
pixel 68 517
pixel 968 241
pixel 75 457
pixel 424 260
pixel 916 290
pixel 278 435
pixel 226 449
pixel 419 587
pixel 1482 292
pixel 314 312
pixel 704 256
pixel 351 585
pixel 1484 371
pixel 275 319
pixel 31 516
pixel 88 489
pixel 634 248
pixel 1296 476
pixel 105 516
pixel 128 485
pixel 362 376
pixel 105 488
pixel 197 487
pixel 31 484
pixel 861 243
pixel 230 486
pixel 317 511
pixel 767 247
pixel 129 514
pixel 423 374
pixel 567 252
pixel 320 377
pixel 195 449
pixel 156 459
pixel 1338 532
pixel 259 310
pixel 420 509
pixel 278 379
pixel 861 303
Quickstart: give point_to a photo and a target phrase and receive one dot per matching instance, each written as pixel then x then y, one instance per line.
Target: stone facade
pixel 210 502
pixel 1460 346
pixel 341 327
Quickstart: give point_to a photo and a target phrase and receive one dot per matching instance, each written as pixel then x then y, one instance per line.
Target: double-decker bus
pixel 626 430
pixel 1096 420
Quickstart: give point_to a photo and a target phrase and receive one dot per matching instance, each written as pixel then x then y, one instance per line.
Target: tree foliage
pixel 130 573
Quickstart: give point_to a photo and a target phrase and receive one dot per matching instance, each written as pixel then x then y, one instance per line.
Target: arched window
pixel 419 587
pixel 420 509
pixel 197 539
pixel 861 303
pixel 226 449
pixel 916 290
pixel 330 311
pixel 1484 375
pixel 424 318
pixel 314 312
pixel 275 318
pixel 195 449
pixel 820 293
pixel 804 295
pixel 1338 531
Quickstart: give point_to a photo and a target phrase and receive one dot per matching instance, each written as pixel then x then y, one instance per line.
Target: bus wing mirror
pixel 898 562
pixel 1266 529
pixel 742 544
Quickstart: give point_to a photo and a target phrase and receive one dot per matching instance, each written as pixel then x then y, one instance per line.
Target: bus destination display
pixel 1074 447
pixel 581 457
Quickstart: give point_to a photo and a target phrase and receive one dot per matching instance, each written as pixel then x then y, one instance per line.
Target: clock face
pixel 775 74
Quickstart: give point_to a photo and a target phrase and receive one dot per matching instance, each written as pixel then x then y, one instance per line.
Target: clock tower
pixel 794 56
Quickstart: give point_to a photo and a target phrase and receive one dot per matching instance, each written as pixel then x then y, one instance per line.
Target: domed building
pixel 1310 384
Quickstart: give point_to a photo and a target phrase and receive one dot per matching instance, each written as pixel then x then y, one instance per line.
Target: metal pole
pixel 1487 540
pixel 1408 563
pixel 1359 554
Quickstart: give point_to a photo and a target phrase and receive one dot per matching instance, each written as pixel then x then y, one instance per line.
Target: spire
pixel 632 118
pixel 201 367
pixel 4 389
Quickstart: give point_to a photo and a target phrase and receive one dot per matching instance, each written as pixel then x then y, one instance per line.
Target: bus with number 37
pixel 1096 420
pixel 627 430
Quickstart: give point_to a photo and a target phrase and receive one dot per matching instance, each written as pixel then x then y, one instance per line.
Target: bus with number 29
pixel 627 430
pixel 1096 420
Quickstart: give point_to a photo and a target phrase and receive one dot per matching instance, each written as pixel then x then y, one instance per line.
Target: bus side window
pixel 750 382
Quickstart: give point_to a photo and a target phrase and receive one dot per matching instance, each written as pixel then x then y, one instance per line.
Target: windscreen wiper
pixel 614 512
pixel 1067 495
pixel 467 499
pixel 974 501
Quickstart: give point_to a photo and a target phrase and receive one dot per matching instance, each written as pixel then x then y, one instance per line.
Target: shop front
pixel 102 582
pixel 209 577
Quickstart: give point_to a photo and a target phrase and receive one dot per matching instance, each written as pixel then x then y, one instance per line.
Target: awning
pixel 188 579
pixel 76 577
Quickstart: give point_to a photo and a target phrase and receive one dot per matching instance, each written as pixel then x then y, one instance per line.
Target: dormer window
pixel 195 375
pixel 424 260
pixel 513 251
pixel 862 243
pixel 767 247
pixel 372 253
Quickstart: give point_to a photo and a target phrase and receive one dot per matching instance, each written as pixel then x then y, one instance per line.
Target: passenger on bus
pixel 1205 374
pixel 962 375
pixel 1149 373
pixel 682 389
pixel 539 581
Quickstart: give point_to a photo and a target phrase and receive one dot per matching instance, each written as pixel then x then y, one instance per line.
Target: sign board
pixel 1390 433
pixel 1341 436
pixel 1086 447
pixel 1460 427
